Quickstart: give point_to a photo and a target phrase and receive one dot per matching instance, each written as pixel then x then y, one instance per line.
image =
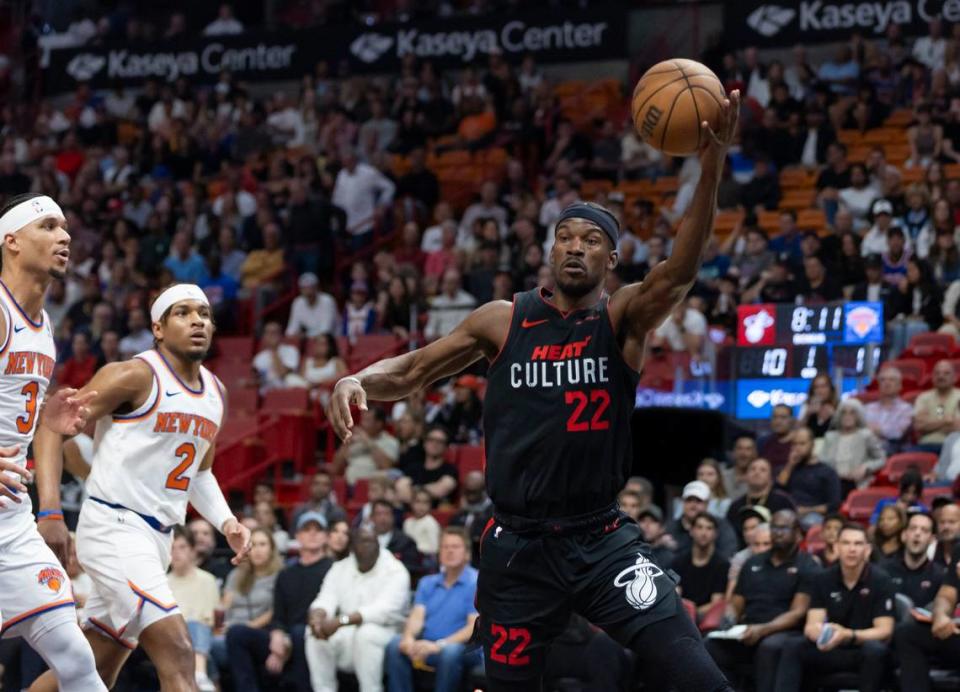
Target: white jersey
pixel 145 460
pixel 27 358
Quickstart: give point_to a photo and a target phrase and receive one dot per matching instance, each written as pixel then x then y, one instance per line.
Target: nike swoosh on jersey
pixel 19 329
pixel 526 324
pixel 172 393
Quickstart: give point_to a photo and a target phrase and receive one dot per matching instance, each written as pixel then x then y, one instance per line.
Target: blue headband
pixel 596 214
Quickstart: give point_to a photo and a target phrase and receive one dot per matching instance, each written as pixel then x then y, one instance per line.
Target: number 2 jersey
pixel 27 358
pixel 557 412
pixel 145 460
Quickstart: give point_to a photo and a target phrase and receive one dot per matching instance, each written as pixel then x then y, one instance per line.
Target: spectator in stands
pixel 771 597
pixel 322 499
pixel 936 410
pixel 313 312
pixel 889 417
pixel 834 177
pixel 850 448
pixel 370 450
pixel 197 594
pixel 77 370
pixel 248 592
pixel 696 495
pixel 359 314
pixel 684 331
pixel 400 545
pixel 760 492
pixel 913 573
pixel 267 520
pixel 709 472
pixel 265 264
pixel 205 544
pixel 450 307
pixel 629 503
pixel 921 300
pixel 663 546
pixel 276 361
pixel 358 610
pixel 225 23
pixel 887 541
pixel 875 240
pixel 762 193
pixel 919 644
pixel 379 487
pixel 814 487
pixel 702 571
pixel 858 197
pixel 829 533
pixel 776 446
pixel 421 526
pixel 925 138
pixel 139 338
pixel 323 364
pixel 259 656
pixel 440 625
pixel 463 414
pixel 735 477
pixel 817 285
pixel 184 262
pixel 434 474
pixel 419 182
pixel 818 410
pixel 948 531
pixel 860 621
pixel 895 259
pixel 756 535
pixel 364 193
pixel 908 497
pixel 338 543
pixel 476 509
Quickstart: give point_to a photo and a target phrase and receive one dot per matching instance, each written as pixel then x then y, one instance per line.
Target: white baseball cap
pixel 697 489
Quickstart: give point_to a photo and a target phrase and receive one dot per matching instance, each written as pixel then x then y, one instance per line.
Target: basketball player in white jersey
pixel 157 418
pixel 36 600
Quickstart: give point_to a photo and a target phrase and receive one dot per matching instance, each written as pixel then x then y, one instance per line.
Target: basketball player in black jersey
pixel 562 383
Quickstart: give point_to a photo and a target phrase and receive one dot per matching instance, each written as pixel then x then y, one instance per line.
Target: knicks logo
pixel 638 581
pixel 52 578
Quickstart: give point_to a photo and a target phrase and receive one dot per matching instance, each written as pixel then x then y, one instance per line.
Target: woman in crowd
pixel 821 404
pixel 851 448
pixel 886 533
pixel 338 542
pixel 710 473
pixel 322 365
pixel 829 533
pixel 944 257
pixel 248 591
pixel 267 520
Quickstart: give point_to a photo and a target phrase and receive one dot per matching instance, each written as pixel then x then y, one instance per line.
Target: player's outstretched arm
pixel 481 334
pixel 207 498
pixel 113 386
pixel 637 308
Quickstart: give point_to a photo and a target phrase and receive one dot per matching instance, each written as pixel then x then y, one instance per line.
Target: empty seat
pixel 898 464
pixel 860 503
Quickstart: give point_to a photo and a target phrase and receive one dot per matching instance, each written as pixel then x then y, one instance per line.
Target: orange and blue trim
pixel 147 598
pixel 7 337
pixel 115 635
pixel 192 392
pixel 34 326
pixel 56 605
pixel 133 417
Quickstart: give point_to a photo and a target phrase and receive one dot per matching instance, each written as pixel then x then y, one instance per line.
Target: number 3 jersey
pixel 145 460
pixel 557 412
pixel 27 359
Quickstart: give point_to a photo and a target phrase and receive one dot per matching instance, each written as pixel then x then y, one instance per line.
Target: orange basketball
pixel 671 100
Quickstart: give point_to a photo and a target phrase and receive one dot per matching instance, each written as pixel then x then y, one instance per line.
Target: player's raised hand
pixel 238 538
pixel 10 486
pixel 65 412
pixel 714 144
pixel 347 392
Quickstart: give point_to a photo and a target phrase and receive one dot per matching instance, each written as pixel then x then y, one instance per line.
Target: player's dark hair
pixel 706 516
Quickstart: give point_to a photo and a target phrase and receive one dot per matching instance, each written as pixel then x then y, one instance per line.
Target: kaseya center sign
pixel 600 34
pixel 755 22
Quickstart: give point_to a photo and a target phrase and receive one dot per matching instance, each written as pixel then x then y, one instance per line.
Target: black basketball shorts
pixel 528 586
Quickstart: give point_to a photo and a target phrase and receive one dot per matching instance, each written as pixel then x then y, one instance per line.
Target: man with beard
pixel 912 572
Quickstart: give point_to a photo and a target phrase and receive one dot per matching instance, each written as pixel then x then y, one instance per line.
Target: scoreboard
pixel 781 347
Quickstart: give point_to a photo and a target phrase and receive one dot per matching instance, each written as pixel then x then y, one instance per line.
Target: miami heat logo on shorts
pixel 52 578
pixel 638 580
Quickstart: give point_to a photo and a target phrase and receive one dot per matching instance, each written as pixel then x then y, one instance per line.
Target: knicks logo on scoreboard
pixel 52 578
pixel 756 325
pixel 863 322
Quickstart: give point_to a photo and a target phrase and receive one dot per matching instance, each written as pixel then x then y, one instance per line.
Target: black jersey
pixel 556 415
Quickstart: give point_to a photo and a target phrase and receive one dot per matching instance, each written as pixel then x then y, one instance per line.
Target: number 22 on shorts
pixel 175 479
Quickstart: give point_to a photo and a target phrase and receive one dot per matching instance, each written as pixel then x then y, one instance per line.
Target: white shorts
pixel 32 583
pixel 127 563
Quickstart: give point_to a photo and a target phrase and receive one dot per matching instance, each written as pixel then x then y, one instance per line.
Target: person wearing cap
pixel 662 543
pixel 875 240
pixel 771 598
pixel 313 312
pixel 359 315
pixel 696 495
pixel 703 573
pixel 263 657
pixel 450 307
pixel 361 606
pixel 157 415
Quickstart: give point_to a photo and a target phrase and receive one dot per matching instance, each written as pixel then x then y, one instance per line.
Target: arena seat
pixel 813 541
pixel 943 343
pixel 860 503
pixel 931 494
pixel 242 400
pixel 287 424
pixel 470 458
pixel 240 347
pixel 898 464
pixel 370 347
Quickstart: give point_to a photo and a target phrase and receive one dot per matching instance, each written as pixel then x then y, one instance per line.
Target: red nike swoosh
pixel 526 324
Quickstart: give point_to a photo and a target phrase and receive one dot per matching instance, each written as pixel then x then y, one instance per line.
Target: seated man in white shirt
pixel 684 330
pixel 360 608
pixel 312 313
pixel 276 364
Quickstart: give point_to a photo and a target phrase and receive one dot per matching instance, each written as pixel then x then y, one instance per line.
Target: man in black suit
pixel 875 288
pixel 393 539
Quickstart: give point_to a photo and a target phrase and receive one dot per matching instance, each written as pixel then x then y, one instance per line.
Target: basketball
pixel 671 100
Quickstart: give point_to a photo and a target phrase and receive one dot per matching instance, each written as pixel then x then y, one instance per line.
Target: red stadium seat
pixel 935 340
pixel 931 494
pixel 288 399
pixel 288 426
pixel 814 540
pixel 898 463
pixel 860 503
pixel 371 347
pixel 242 400
pixel 240 347
pixel 911 368
pixel 470 458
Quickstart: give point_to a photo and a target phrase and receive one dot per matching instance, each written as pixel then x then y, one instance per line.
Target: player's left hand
pixel 66 413
pixel 238 538
pixel 714 146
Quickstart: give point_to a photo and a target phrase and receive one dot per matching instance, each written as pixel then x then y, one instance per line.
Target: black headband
pixel 595 213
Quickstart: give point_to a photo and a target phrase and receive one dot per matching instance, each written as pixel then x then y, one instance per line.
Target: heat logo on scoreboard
pixel 756 325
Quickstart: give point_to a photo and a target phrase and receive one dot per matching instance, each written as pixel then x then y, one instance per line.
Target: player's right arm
pixel 128 382
pixel 481 334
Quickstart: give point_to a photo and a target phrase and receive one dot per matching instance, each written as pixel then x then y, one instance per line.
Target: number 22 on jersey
pixel 187 452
